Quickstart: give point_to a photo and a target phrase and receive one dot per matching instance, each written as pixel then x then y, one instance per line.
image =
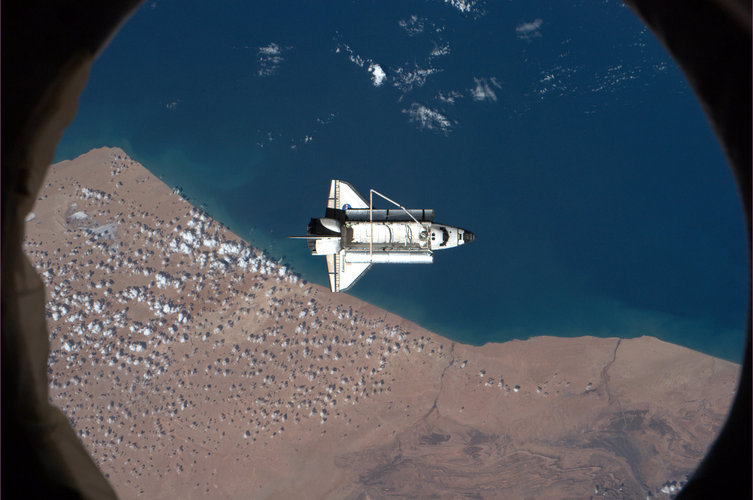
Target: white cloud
pixel 558 80
pixel 269 57
pixel 270 50
pixel 414 25
pixel 530 30
pixel 354 58
pixel 429 119
pixel 483 91
pixel 377 74
pixel 614 78
pixel 465 6
pixel 406 78
pixel 375 70
pixel 449 97
pixel 440 50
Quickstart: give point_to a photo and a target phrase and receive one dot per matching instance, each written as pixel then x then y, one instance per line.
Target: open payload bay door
pixel 343 196
pixel 342 274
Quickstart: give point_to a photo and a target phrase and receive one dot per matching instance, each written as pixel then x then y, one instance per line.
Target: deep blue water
pixel 601 201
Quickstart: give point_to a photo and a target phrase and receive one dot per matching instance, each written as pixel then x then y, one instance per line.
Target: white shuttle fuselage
pixel 353 235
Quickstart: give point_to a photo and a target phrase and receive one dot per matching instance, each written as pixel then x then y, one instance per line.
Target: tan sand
pixel 192 366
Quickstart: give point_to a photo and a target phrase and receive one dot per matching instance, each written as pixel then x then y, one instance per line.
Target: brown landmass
pixel 193 366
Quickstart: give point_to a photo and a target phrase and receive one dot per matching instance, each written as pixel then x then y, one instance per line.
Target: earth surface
pixel 192 365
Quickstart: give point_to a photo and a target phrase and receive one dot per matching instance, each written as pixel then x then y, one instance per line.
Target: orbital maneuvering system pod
pixel 353 235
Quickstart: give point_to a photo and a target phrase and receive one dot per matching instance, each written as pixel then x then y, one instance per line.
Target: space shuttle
pixel 353 236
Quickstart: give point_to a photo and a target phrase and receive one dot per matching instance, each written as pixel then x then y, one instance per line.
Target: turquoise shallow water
pixel 563 136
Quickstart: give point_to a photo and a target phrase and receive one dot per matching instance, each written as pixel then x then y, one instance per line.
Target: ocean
pixel 563 136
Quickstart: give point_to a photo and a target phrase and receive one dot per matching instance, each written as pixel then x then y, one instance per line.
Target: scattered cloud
pixel 326 120
pixel 449 97
pixel 526 31
pixel 440 50
pixel 615 77
pixel 354 58
pixel 378 76
pixel 483 90
pixel 414 25
pixel 558 80
pixel 266 137
pixel 428 119
pixel 406 78
pixel 306 139
pixel 465 6
pixel 269 57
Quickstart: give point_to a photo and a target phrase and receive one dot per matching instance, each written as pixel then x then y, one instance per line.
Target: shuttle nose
pixel 468 236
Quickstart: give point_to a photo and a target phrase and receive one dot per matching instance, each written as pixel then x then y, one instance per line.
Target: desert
pixel 192 365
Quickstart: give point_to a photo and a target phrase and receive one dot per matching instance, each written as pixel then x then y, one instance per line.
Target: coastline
pixel 588 313
pixel 218 370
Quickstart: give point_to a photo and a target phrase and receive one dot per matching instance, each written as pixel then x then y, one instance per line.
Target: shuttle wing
pixel 332 271
pixel 343 196
pixel 351 273
pixel 343 275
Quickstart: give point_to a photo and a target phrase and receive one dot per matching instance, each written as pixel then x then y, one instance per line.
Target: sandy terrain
pixel 192 366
